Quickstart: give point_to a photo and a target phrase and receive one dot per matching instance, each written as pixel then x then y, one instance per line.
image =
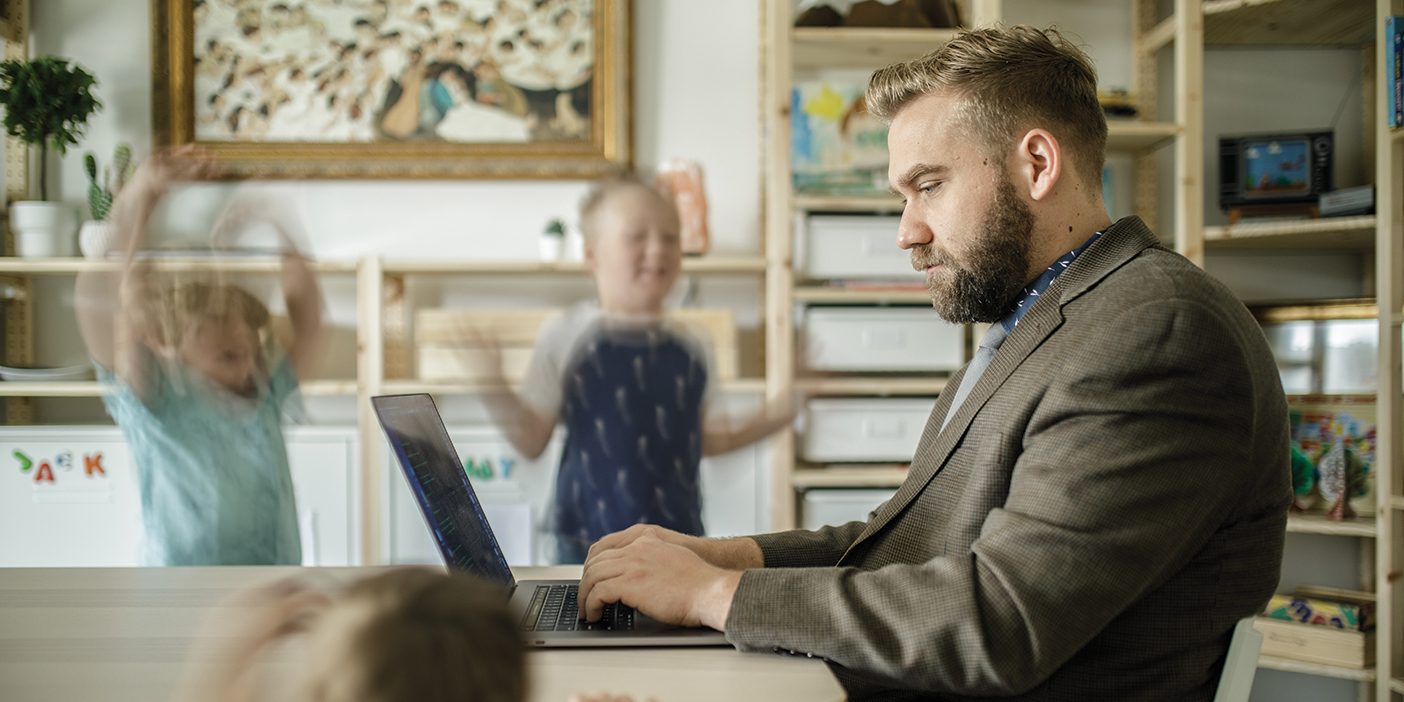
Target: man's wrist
pixel 716 599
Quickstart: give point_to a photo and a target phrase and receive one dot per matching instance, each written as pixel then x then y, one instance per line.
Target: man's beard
pixel 984 286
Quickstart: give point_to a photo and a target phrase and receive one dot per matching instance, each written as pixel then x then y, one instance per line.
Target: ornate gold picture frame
pixel 396 88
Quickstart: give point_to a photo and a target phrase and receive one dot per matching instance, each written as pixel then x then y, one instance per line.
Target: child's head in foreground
pixel 632 244
pixel 216 329
pixel 416 635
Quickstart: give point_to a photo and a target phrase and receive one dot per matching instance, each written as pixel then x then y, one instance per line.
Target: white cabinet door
pixel 322 461
pixel 68 497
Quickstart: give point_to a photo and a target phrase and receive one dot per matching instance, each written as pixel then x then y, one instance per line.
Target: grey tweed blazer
pixel 1109 500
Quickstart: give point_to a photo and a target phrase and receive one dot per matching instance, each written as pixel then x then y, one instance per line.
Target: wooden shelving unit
pixel 92 388
pixel 876 386
pixel 856 477
pixel 406 387
pixel 789 52
pixel 1330 671
pixel 1352 24
pixel 1364 528
pixel 864 48
pixel 229 264
pixel 719 265
pixel 1332 233
pixel 861 296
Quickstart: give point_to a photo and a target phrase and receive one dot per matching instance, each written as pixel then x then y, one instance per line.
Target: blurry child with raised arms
pixel 196 380
pixel 632 387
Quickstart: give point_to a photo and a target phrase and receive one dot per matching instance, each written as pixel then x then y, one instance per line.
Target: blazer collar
pixel 1122 241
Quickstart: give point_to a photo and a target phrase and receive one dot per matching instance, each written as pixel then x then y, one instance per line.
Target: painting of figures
pixel 401 87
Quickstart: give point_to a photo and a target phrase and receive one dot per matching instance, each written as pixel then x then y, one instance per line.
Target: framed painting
pixel 396 88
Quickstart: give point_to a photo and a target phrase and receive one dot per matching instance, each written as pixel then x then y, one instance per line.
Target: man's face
pixel 963 221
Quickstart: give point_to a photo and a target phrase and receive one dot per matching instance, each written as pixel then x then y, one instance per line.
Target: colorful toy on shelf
pixel 1303 480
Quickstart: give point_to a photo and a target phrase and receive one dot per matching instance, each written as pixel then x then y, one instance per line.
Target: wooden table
pixel 123 634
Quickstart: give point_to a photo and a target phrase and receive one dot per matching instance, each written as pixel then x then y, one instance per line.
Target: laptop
pixel 546 609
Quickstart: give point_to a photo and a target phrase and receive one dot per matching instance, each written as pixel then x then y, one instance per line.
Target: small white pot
pixel 94 238
pixel 43 229
pixel 552 247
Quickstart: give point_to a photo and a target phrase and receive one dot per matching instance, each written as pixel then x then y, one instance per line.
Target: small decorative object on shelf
pixel 96 233
pixel 1341 477
pixel 682 180
pixel 47 101
pixel 838 147
pixel 553 241
pixel 915 14
pixel 1117 103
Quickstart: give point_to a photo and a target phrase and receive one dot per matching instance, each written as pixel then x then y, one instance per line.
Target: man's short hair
pixel 1009 79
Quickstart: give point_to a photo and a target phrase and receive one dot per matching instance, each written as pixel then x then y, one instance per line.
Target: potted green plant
pixel 553 241
pixel 103 187
pixel 47 103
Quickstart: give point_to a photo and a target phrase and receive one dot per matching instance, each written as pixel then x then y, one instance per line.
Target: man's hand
pixel 666 581
pixel 731 554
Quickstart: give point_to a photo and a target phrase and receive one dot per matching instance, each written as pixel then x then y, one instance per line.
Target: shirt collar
pixel 1039 285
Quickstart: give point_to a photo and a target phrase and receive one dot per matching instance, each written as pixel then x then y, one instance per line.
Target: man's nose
pixel 911 231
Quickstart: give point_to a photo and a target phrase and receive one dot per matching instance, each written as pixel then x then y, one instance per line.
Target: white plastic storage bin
pixel 834 507
pixel 855 246
pixel 865 430
pixel 881 339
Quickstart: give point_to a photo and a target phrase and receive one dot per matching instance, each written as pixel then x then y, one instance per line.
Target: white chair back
pixel 1236 682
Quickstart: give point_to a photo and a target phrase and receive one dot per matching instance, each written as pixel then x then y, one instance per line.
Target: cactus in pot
pixel 101 192
pixel 96 234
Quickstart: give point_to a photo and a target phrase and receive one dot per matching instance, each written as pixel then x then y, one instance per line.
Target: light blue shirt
pixel 212 468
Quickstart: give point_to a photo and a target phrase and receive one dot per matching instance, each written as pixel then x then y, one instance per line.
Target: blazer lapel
pixel 1121 242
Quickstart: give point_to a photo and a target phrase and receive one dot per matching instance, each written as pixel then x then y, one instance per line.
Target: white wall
pixel 695 95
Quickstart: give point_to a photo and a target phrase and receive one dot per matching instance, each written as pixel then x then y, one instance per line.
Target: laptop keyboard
pixel 554 608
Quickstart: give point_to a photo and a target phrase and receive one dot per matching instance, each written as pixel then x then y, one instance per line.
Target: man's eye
pixel 928 188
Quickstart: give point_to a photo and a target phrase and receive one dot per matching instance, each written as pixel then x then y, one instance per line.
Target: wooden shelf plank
pixel 1356 233
pixel 876 476
pixel 817 48
pixel 72 388
pixel 1341 23
pixel 1329 671
pixel 904 385
pixel 1135 135
pixel 53 266
pixel 821 294
pixel 58 266
pixel 876 202
pixel 1397 502
pixel 325 388
pixel 92 388
pixel 698 264
pixel 1361 527
pixel 1397 686
pixel 438 387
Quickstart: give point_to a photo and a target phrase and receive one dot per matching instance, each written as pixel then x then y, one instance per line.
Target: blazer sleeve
pixel 1131 461
pixel 801 548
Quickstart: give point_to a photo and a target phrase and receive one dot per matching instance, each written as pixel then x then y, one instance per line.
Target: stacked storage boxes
pixel 871 338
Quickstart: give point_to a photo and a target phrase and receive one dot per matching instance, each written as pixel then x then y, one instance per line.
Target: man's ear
pixel 1037 163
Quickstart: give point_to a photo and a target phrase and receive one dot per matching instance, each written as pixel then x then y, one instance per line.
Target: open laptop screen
pixel 416 432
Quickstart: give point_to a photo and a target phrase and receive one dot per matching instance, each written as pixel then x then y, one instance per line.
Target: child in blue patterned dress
pixel 631 387
pixel 193 378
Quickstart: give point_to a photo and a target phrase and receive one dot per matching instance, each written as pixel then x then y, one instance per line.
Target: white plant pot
pixel 43 229
pixel 552 247
pixel 94 238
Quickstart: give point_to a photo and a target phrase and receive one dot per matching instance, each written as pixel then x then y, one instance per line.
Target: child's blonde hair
pixel 608 187
pixel 415 635
pixel 181 308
